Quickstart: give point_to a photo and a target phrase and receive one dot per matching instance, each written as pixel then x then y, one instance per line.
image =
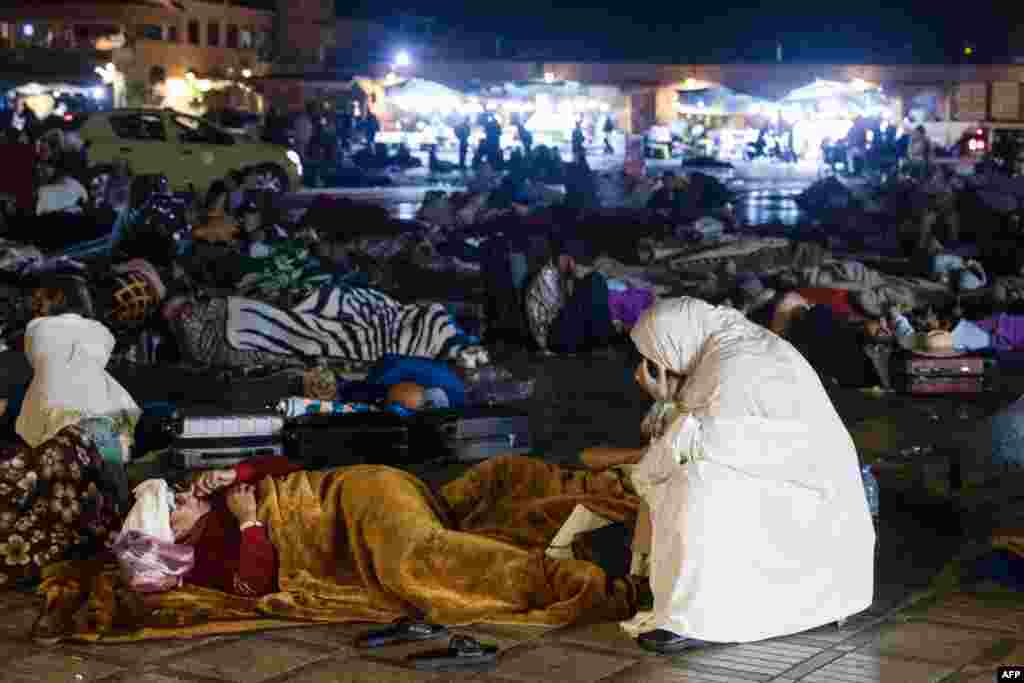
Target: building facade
pixel 306 33
pixel 209 39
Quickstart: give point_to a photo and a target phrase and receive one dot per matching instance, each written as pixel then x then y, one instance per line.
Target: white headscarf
pixel 69 355
pixel 693 338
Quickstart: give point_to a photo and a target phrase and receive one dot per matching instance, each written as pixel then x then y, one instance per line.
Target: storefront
pixel 420 112
pixel 718 122
pixel 59 97
pixel 826 110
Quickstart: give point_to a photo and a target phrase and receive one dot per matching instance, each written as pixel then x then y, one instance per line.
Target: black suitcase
pixel 323 441
pixel 473 434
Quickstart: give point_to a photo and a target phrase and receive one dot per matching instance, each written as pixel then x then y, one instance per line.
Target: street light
pixel 402 59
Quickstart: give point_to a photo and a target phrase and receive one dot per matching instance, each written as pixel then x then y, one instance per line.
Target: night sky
pixel 864 32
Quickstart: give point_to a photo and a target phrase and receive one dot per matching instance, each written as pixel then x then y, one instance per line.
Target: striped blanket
pixel 341 321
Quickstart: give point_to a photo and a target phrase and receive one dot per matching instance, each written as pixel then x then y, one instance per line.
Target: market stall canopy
pixel 721 101
pixel 851 98
pixel 530 89
pixel 417 94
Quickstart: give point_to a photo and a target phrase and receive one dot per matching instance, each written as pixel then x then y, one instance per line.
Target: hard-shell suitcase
pixel 203 442
pixel 474 434
pixel 968 374
pixel 322 441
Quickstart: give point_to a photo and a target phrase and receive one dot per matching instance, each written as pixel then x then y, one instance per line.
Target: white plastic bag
pixel 151 514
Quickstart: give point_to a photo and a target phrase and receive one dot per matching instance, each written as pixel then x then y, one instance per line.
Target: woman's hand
pixel 241 501
pixel 212 481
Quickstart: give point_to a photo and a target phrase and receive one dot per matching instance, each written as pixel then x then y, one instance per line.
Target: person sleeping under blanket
pixel 337 321
pixel 367 543
pixel 950 331
pixel 832 344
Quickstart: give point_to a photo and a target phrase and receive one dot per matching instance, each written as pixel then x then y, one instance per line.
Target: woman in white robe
pixel 760 527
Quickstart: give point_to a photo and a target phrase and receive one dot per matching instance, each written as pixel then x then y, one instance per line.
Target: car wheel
pixel 267 178
pixel 99 184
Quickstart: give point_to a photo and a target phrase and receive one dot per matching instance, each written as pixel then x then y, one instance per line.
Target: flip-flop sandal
pixel 402 631
pixel 665 642
pixel 463 653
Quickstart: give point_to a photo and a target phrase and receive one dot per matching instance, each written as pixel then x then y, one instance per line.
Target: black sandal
pixel 402 631
pixel 462 653
pixel 664 642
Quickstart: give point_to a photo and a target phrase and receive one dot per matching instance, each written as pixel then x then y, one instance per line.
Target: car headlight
pixel 293 157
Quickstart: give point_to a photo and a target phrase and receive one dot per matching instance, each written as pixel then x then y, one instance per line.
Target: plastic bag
pixel 150 565
pixel 151 514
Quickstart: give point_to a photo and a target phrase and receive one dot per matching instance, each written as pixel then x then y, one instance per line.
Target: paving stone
pixel 851 627
pixel 145 652
pixel 861 667
pixel 151 677
pixel 554 663
pixel 654 671
pixel 336 639
pixel 516 632
pixel 16 649
pixel 56 666
pixel 19 600
pixel 967 611
pixel 808 665
pixel 768 659
pixel 930 642
pixel 1004 653
pixel 248 660
pixel 365 671
pixel 606 636
pixel 17 623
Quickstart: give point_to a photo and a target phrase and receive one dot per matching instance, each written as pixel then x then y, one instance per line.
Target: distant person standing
pixel 579 151
pixel 609 128
pixel 316 116
pixel 919 154
pixel 492 134
pixel 329 136
pixel 304 131
pixel 525 137
pixel 344 125
pixel 371 127
pixel 24 121
pixel 462 131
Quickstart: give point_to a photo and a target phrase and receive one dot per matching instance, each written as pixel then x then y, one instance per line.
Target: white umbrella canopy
pixel 418 94
pixel 852 98
pixel 421 87
pixel 819 89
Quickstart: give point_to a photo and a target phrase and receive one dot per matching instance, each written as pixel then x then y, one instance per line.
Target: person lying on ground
pixel 755 464
pixel 949 330
pixel 374 543
pixel 832 344
pixel 567 305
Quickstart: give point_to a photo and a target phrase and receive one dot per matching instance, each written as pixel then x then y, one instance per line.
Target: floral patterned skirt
pixel 53 501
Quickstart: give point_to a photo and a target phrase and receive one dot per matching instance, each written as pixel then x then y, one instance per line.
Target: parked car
pixel 191 152
pixel 236 122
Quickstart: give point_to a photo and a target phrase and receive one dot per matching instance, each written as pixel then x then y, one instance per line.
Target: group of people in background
pixel 320 132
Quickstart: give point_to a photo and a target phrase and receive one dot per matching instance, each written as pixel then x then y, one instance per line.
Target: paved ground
pixel 578 402
pixel 585 401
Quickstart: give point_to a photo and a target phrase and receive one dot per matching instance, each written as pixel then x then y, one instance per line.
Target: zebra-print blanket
pixel 353 323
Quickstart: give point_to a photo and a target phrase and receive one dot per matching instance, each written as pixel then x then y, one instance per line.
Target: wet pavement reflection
pixel 766 193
